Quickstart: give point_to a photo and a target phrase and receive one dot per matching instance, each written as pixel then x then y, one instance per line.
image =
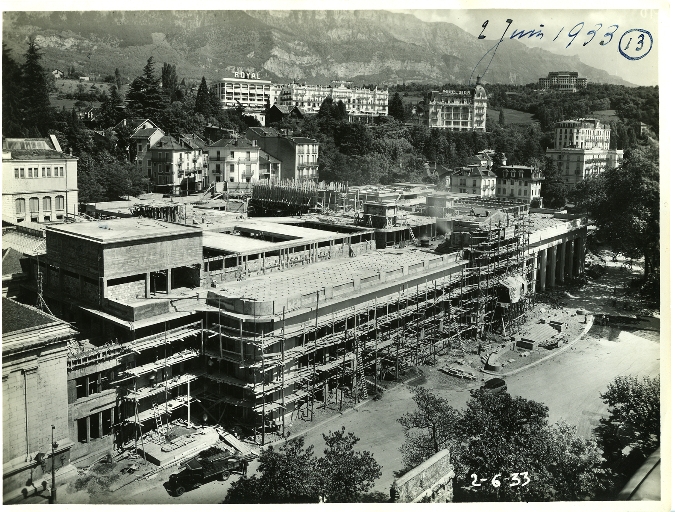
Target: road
pixel 569 384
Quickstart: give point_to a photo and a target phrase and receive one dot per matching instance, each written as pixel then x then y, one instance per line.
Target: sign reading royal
pixel 245 74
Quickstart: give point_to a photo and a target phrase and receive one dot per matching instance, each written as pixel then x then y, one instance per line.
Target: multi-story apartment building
pixel 471 180
pixel 175 164
pixel 519 182
pixel 298 155
pixel 362 104
pixel 566 81
pixel 39 181
pixel 234 161
pixel 581 149
pixel 143 140
pixel 458 110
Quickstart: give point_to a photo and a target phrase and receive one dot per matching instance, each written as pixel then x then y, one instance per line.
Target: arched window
pixel 47 204
pixel 34 204
pixel 20 206
pixel 60 205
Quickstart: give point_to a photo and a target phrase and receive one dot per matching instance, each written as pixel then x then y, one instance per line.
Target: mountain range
pixel 371 47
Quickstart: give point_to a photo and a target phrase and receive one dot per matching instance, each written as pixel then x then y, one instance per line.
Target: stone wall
pixel 431 480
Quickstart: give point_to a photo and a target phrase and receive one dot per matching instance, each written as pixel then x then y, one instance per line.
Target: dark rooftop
pixel 17 316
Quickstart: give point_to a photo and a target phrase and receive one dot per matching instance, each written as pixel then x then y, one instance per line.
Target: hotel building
pixel 458 110
pixel 567 81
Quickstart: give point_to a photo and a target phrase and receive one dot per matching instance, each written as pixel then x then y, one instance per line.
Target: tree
pixel 144 97
pixel 553 189
pixel 428 429
pixel 118 79
pixel 498 435
pixel 625 206
pixel 203 102
pixel 344 473
pixel 396 109
pixel 110 112
pixel 11 95
pixel 37 111
pixel 502 119
pixel 169 81
pixel 632 431
pixel 286 476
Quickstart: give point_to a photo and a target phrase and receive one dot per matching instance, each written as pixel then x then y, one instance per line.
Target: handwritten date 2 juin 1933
pixel 634 44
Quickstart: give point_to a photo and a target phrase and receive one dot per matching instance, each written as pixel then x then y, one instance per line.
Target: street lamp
pixel 54 445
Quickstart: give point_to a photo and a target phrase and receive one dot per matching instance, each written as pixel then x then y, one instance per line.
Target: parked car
pixel 201 470
pixel 495 385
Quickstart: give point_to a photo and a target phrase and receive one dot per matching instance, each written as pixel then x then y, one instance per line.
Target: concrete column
pixel 569 257
pixel 147 285
pixel 553 254
pixel 582 253
pixel 168 281
pixel 542 270
pixel 104 288
pixel 561 262
pixel 576 258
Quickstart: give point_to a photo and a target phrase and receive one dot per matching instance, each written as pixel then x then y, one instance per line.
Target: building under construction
pixel 259 323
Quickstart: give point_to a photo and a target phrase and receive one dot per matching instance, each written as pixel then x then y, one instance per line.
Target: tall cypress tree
pixel 145 97
pixel 169 81
pixel 35 89
pixel 203 102
pixel 11 94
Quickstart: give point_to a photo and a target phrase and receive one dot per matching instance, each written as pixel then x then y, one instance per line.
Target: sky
pixel 643 71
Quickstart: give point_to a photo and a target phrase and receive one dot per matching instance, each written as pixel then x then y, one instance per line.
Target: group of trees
pixel 499 434
pixel 293 474
pixel 502 447
pixel 625 206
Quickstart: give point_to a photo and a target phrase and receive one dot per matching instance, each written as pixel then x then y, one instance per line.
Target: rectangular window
pixel 16 173
pixel 231 154
pixel 94 427
pixel 94 384
pixel 231 167
pixel 82 430
pixel 44 172
pixel 22 173
pixel 81 387
pixel 61 171
pixel 107 422
pixel 30 172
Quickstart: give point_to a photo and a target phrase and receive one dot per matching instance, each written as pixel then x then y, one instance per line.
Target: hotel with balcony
pixel 362 104
pixel 298 155
pixel 458 110
pixel 253 94
pixel 234 161
pixel 581 149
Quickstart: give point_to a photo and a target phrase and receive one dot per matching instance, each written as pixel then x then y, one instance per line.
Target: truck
pixel 200 470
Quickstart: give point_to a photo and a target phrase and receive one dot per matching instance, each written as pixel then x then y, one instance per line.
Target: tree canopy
pixel 498 434
pixel 294 475
pixel 145 98
pixel 624 204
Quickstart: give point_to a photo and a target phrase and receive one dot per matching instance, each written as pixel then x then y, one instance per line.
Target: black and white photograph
pixel 291 255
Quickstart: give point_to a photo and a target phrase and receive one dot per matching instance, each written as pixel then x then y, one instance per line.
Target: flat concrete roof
pixel 307 279
pixel 118 230
pixel 289 235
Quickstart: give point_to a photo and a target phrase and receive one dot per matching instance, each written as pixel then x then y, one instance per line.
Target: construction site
pixel 190 315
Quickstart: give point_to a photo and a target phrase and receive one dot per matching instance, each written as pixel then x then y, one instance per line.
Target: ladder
pixel 360 379
pixel 158 417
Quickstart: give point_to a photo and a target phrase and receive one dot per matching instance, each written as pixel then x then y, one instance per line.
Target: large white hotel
pixel 581 149
pixel 458 110
pixel 255 95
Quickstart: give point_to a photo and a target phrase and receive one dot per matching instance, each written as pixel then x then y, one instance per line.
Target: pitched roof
pixel 241 142
pixel 11 262
pixel 17 316
pixel 144 133
pixel 264 132
pixel 168 142
pixel 303 140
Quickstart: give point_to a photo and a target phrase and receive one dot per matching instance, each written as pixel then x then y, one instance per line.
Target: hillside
pixel 315 46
